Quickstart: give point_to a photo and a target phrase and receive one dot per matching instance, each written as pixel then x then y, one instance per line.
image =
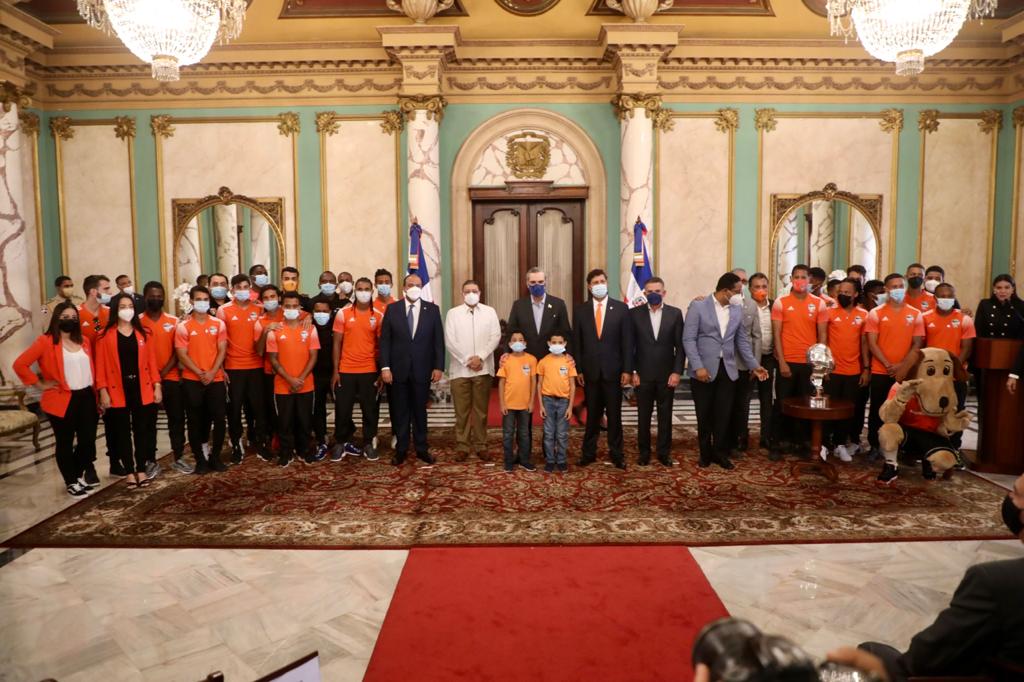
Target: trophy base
pixel 818 402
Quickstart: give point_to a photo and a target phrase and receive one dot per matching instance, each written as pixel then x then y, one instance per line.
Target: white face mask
pixel 202 307
pixel 556 348
pixel 945 304
pixel 346 287
pixel 128 290
pixel 291 313
pixel 126 314
pixel 471 298
pixel 599 290
pixel 930 285
pixel 736 299
pixel 413 293
pixel 364 296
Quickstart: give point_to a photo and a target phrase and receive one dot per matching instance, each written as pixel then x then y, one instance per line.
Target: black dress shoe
pixel 643 461
pixel 397 461
pixel 703 463
pixel 724 462
pixel 586 461
pixel 737 453
pixel 426 459
pixel 217 465
pixel 91 477
pixel 620 465
pixel 665 461
pixel 115 470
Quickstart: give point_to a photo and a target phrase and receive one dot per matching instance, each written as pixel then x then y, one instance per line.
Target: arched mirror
pixel 226 232
pixel 830 229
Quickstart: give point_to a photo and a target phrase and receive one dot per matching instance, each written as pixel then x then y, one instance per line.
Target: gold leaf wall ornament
pixel 764 120
pixel 727 120
pixel 1018 117
pixel 393 121
pixel 928 120
pixel 626 104
pixel 29 123
pixel 991 121
pixel 892 121
pixel 11 95
pixel 124 127
pixel 288 124
pixel 327 122
pixel 60 127
pixel 161 126
pixel 528 155
pixel 432 104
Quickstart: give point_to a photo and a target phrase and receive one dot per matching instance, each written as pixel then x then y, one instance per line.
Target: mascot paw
pixel 942 462
pixel 908 389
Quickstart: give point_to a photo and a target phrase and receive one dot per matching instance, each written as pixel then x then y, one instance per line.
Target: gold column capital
pixel 1018 117
pixel 625 104
pixel 991 121
pixel 892 121
pixel 433 104
pixel 29 122
pixel 12 94
pixel 60 127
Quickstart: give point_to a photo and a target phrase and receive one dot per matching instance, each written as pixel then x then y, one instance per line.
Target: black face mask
pixel 68 325
pixel 154 304
pixel 915 282
pixel 845 300
pixel 1011 516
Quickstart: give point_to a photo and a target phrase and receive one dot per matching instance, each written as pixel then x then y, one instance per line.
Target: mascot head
pixel 936 369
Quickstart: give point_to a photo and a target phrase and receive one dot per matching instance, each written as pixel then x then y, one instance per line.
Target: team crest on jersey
pixel 858 320
pixel 526 370
pixel 212 330
pixel 954 323
pixel 168 326
pixel 304 335
pixel 373 321
pixel 253 315
pixel 811 307
pixel 909 319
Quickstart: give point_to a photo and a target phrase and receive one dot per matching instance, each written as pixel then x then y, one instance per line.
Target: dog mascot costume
pixel 921 414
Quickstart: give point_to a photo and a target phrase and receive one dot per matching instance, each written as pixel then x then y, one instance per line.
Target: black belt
pixel 129 377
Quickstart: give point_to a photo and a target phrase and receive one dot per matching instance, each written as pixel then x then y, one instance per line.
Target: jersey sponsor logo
pixel 526 370
pixel 564 371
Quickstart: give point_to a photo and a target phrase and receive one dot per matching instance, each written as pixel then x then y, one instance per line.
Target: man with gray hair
pixel 539 315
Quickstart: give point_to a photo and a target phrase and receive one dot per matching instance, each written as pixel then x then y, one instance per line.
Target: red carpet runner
pixel 544 613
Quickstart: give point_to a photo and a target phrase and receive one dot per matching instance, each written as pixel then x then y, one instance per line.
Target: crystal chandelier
pixel 905 31
pixel 168 34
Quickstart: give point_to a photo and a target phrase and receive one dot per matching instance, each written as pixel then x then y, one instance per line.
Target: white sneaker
pixel 77 490
pixel 206 450
pixel 853 448
pixel 823 454
pixel 843 454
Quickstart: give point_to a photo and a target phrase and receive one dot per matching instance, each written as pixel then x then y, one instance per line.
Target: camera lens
pixel 726 647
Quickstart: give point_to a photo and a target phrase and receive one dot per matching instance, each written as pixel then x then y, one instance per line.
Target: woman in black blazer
pixel 1001 315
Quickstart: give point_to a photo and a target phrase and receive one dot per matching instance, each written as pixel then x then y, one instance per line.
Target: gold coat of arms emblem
pixel 528 155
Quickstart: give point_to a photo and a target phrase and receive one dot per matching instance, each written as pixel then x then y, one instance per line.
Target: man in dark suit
pixel 539 315
pixel 658 360
pixel 411 357
pixel 981 631
pixel 603 344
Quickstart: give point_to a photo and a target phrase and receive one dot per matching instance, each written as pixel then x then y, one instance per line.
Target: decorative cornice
pixel 991 121
pixel 327 123
pixel 60 127
pixel 29 123
pixel 928 120
pixel 1018 117
pixel 280 87
pixel 161 126
pixel 124 127
pixel 432 104
pixel 764 120
pixel 288 124
pixel 11 95
pixel 828 83
pixel 540 82
pixel 393 121
pixel 625 105
pixel 727 120
pixel 892 121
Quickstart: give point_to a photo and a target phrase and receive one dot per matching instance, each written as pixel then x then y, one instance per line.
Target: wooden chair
pixel 15 417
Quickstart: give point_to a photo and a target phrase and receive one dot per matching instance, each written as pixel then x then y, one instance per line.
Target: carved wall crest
pixel 528 154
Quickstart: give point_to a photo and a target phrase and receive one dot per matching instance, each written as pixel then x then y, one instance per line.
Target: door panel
pixel 554 250
pixel 501 256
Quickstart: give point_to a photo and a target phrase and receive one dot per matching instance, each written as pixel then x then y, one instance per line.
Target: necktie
pixel 598 319
pixel 412 321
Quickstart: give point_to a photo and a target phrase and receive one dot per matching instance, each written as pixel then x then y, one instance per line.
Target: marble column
pixel 225 221
pixel 636 193
pixel 259 238
pixel 823 234
pixel 424 189
pixel 18 279
pixel 187 254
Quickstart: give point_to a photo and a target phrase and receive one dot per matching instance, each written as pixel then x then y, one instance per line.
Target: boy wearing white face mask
pixel 556 390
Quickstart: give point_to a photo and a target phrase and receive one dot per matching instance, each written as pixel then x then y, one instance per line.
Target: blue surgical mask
pixel 599 290
pixel 261 280
pixel 897 295
pixel 201 307
pixel 536 290
pixel 321 318
pixel 271 305
pixel 105 298
pixel 328 288
pixel 384 290
pixel 517 346
pixel 243 295
pixel 219 293
pixel 556 348
pixel 654 298
pixel 881 299
pixel 945 304
pixel 291 313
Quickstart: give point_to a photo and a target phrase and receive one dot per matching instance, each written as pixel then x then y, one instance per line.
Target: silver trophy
pixel 819 357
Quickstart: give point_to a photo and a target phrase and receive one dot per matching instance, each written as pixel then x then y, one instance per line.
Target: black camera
pixel 736 651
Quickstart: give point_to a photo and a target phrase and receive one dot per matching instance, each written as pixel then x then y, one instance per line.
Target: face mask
pixel 68 325
pixel 556 348
pixel 413 293
pixel 128 290
pixel 261 280
pixel 271 305
pixel 760 295
pixel 67 292
pixel 291 313
pixel 201 307
pixel 945 304
pixel 104 299
pixel 931 285
pixel 915 282
pixel 599 290
pixel 1011 516
pixel 219 293
pixel 654 298
pixel 126 314
pixel 243 295
pixel 290 285
pixel 328 288
pixel 346 288
pixel 897 295
pixel 536 290
pixel 321 318
pixel 881 299
pixel 736 299
pixel 472 298
pixel 800 285
pixel 845 300
pixel 364 296
pixel 382 290
pixel 154 304
pixel 517 346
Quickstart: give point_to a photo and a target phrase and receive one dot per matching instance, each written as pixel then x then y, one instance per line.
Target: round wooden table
pixel 799 407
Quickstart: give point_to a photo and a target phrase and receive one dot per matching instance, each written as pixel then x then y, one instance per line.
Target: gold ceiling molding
pixel 928 120
pixel 727 121
pixel 124 127
pixel 812 63
pixel 160 126
pixel 991 121
pixel 288 124
pixel 279 87
pixel 60 127
pixel 12 94
pixel 29 123
pixel 540 82
pixel 765 120
pixel 625 105
pixel 1018 117
pixel 856 83
pixel 892 121
pixel 432 104
pixel 393 121
pixel 327 123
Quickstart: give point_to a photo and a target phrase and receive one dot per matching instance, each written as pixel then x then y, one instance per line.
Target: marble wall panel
pixel 955 212
pixel 564 166
pixel 691 249
pixel 250 158
pixel 188 255
pixel 361 194
pixel 1018 246
pixel 863 244
pixel 96 186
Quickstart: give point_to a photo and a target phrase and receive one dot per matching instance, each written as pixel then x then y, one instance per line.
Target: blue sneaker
pixel 337 453
pixel 321 452
pixel 351 449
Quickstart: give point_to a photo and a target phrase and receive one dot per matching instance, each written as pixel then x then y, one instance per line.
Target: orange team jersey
pixel 381 305
pixel 829 301
pixel 555 373
pixel 360 334
pixel 923 302
pixel 292 345
pixel 912 416
pixel 241 345
pixel 263 320
pixel 162 334
pixel 947 331
pixel 799 324
pixel 844 336
pixel 93 324
pixel 896 330
pixel 517 372
pixel 201 341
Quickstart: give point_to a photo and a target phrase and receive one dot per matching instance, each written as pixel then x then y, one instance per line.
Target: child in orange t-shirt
pixel 517 381
pixel 292 349
pixel 556 390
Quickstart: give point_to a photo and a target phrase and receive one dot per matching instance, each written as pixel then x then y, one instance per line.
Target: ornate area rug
pixel 356 503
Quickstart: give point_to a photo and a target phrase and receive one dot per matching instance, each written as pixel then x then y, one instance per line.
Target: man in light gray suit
pixel 750 324
pixel 713 338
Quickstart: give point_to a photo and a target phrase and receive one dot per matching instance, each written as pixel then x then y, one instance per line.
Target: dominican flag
pixel 417 262
pixel 641 270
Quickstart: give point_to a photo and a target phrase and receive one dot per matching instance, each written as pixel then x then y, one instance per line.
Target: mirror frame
pixel 870 205
pixel 184 210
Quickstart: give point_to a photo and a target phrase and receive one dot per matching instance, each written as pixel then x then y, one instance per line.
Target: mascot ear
pixel 959 373
pixel 908 368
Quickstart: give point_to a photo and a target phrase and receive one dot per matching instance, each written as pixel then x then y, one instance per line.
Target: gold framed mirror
pixel 226 232
pixel 829 228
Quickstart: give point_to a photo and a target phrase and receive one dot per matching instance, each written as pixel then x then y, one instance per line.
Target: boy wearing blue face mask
pixel 517 381
pixel 556 390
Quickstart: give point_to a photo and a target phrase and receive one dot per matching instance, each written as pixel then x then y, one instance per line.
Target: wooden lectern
pixel 1001 415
